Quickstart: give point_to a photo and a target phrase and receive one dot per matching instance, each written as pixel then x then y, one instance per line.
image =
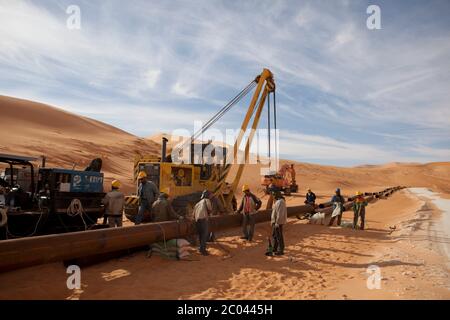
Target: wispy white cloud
pixel 316 147
pixel 299 146
pixel 162 58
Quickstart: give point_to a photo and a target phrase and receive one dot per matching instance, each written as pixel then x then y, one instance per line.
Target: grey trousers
pixel 248 225
pixel 278 238
pixel 362 215
pixel 115 221
pixel 144 206
pixel 202 231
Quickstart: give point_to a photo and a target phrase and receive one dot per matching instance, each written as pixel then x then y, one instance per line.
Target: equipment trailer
pixel 47 200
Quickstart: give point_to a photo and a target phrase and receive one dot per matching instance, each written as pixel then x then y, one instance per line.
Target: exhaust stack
pixel 163 149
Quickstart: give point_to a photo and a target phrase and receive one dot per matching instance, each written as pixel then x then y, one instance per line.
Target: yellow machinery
pixel 185 182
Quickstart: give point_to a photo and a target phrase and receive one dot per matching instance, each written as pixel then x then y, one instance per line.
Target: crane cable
pixel 275 126
pixel 268 126
pixel 74 209
pixel 224 110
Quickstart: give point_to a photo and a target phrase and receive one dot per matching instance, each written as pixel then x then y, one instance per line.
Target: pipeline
pixel 26 252
pixel 383 193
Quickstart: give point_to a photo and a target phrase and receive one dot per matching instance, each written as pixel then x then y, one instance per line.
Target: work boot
pixel 204 253
pixel 279 253
pixel 244 238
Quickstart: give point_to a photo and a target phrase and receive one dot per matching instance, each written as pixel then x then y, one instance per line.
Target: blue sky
pixel 347 95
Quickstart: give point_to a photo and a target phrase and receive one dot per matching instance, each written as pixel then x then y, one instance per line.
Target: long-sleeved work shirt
pixel 279 212
pixel 148 192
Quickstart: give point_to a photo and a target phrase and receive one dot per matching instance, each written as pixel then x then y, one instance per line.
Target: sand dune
pixel 321 262
pixel 35 129
pixel 31 128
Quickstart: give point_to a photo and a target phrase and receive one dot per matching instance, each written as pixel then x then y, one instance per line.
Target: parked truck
pixel 37 200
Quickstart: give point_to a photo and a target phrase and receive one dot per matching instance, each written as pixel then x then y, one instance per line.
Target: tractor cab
pixel 183 182
pixel 17 181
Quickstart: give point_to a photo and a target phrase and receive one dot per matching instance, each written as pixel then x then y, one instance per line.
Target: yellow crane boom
pixel 265 85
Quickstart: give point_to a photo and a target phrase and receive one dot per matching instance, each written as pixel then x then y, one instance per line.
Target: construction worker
pixel 338 204
pixel 147 193
pixel 359 210
pixel 248 207
pixel 114 202
pixel 278 219
pixel 310 198
pixel 162 210
pixel 202 210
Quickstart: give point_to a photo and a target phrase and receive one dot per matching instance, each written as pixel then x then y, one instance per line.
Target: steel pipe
pixel 25 252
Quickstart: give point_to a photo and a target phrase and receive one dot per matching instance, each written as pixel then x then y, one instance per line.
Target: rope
pixel 164 235
pixel 74 209
pixel 4 215
pixel 9 234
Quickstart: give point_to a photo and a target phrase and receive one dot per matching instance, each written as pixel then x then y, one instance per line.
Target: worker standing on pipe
pixel 278 219
pixel 359 210
pixel 249 205
pixel 147 192
pixel 310 198
pixel 114 202
pixel 202 210
pixel 338 204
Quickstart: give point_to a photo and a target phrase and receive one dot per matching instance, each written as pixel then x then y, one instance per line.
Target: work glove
pixel 276 225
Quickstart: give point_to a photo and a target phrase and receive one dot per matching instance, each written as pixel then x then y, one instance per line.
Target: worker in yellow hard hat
pixel 142 175
pixel 115 184
pixel 114 202
pixel 147 192
pixel 359 210
pixel 249 205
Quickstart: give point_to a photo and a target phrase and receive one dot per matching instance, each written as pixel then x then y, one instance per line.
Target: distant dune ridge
pixel 30 128
pixel 320 262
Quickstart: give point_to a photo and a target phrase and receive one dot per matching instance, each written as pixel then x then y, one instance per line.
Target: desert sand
pixel 320 262
pixel 66 139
